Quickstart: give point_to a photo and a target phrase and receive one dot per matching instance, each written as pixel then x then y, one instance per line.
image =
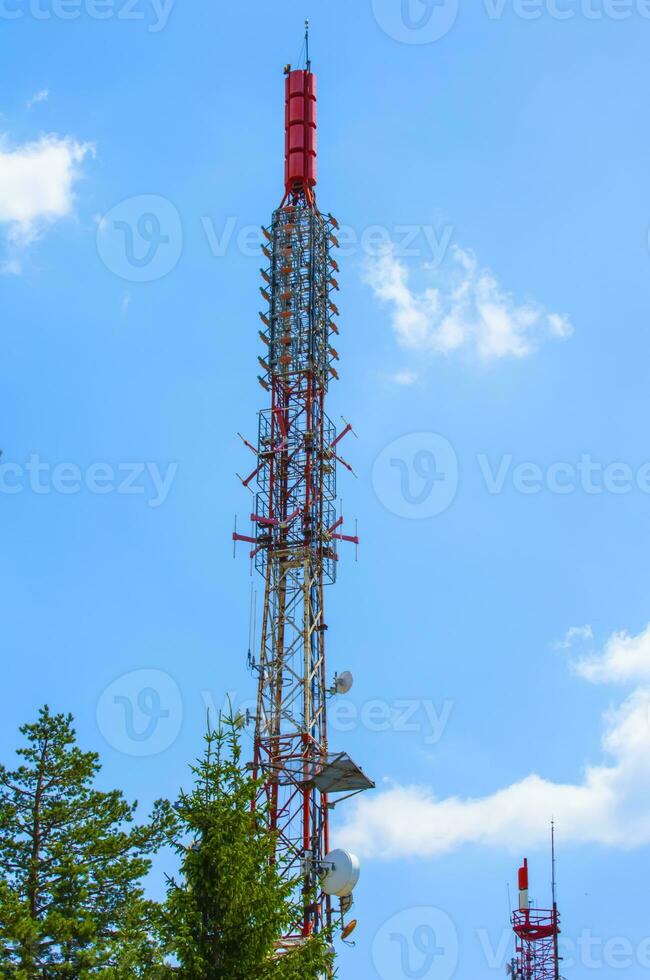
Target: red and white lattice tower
pixel 536 936
pixel 296 529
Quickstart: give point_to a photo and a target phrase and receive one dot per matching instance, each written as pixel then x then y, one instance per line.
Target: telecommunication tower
pixel 296 529
pixel 537 933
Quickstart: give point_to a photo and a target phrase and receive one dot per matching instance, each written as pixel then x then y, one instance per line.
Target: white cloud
pixel 404 378
pixel 41 96
pixel 577 634
pixel 609 805
pixel 37 182
pixel 625 659
pixel 470 310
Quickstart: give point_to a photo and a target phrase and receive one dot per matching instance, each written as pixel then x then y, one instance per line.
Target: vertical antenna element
pixel 556 938
pixel 308 60
pixel 553 863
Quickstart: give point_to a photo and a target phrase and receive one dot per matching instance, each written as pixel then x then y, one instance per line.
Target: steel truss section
pixel 295 541
pixel 536 931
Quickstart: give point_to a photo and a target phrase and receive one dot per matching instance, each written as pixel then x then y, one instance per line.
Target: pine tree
pixel 232 905
pixel 71 865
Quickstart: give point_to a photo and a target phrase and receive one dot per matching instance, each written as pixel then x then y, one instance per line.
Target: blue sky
pixel 493 363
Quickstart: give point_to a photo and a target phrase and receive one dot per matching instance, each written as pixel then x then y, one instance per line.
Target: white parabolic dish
pixel 343 871
pixel 344 682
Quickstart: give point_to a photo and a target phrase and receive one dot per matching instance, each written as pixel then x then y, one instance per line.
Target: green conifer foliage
pixel 231 904
pixel 71 865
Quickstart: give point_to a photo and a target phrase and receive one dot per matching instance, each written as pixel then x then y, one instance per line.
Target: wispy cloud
pixel 41 96
pixel 11 267
pixel 574 635
pixel 403 378
pixel 609 805
pixel 465 308
pixel 37 183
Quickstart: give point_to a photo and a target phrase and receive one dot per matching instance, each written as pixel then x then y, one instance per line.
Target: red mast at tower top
pixel 300 127
pixel 300 167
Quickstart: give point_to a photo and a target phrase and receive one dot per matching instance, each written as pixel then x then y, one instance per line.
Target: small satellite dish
pixel 349 929
pixel 342 874
pixel 344 682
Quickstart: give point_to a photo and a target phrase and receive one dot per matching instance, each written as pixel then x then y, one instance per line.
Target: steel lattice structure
pixel 295 523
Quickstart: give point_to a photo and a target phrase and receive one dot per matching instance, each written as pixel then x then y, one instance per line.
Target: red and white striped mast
pixel 296 529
